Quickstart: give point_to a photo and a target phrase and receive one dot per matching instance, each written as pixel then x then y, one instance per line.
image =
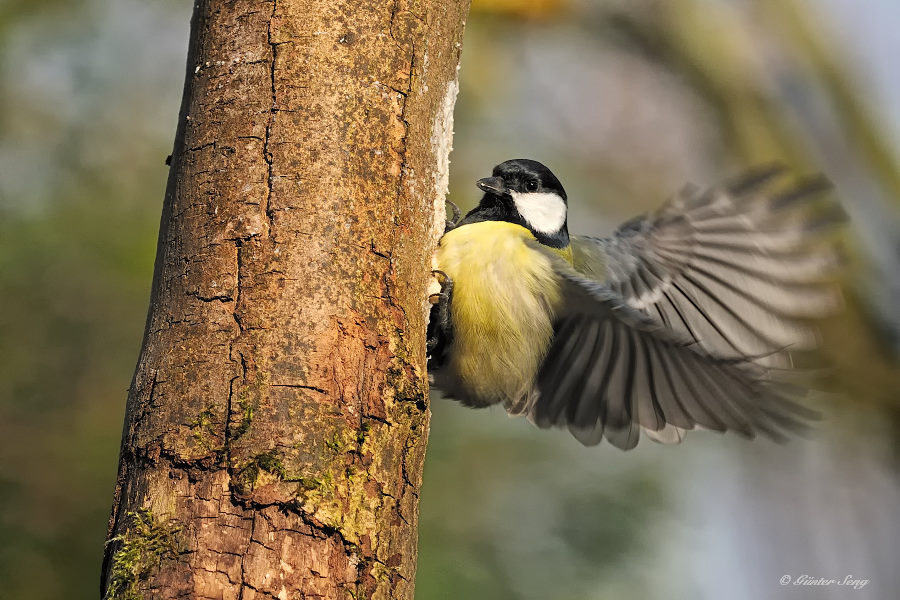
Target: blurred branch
pixel 856 119
pixel 537 10
pixel 709 49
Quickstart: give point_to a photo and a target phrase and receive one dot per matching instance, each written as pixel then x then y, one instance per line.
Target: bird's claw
pixel 446 287
pixel 451 223
pixel 439 326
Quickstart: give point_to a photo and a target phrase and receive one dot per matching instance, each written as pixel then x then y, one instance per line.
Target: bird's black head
pixel 527 193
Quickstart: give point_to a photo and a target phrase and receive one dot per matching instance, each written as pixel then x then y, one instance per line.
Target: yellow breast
pixel 504 298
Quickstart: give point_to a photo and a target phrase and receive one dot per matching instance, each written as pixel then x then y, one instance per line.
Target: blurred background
pixel 625 100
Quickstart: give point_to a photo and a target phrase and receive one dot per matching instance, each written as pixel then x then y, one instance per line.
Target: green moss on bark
pixel 202 430
pixel 144 545
pixel 265 468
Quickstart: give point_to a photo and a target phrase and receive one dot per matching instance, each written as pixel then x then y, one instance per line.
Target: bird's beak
pixel 492 185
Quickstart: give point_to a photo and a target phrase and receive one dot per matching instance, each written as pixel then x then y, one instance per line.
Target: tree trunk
pixel 276 426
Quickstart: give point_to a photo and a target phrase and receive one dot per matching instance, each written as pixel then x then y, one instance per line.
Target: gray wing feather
pixel 733 268
pixel 612 371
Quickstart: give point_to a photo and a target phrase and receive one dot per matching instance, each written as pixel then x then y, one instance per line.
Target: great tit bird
pixel 682 319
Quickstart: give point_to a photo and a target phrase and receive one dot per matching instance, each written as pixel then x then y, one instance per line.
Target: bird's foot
pixel 451 223
pixel 439 326
pixel 446 288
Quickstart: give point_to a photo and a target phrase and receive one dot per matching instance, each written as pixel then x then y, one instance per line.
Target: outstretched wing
pixel 736 268
pixel 612 371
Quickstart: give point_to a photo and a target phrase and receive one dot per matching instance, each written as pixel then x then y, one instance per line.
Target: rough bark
pixel 276 425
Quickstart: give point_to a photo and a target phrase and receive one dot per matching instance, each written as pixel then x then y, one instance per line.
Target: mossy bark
pixel 278 417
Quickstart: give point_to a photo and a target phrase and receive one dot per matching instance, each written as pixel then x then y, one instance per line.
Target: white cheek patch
pixel 544 211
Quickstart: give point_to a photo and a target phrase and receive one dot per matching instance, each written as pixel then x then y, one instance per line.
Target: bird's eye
pixel 531 185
